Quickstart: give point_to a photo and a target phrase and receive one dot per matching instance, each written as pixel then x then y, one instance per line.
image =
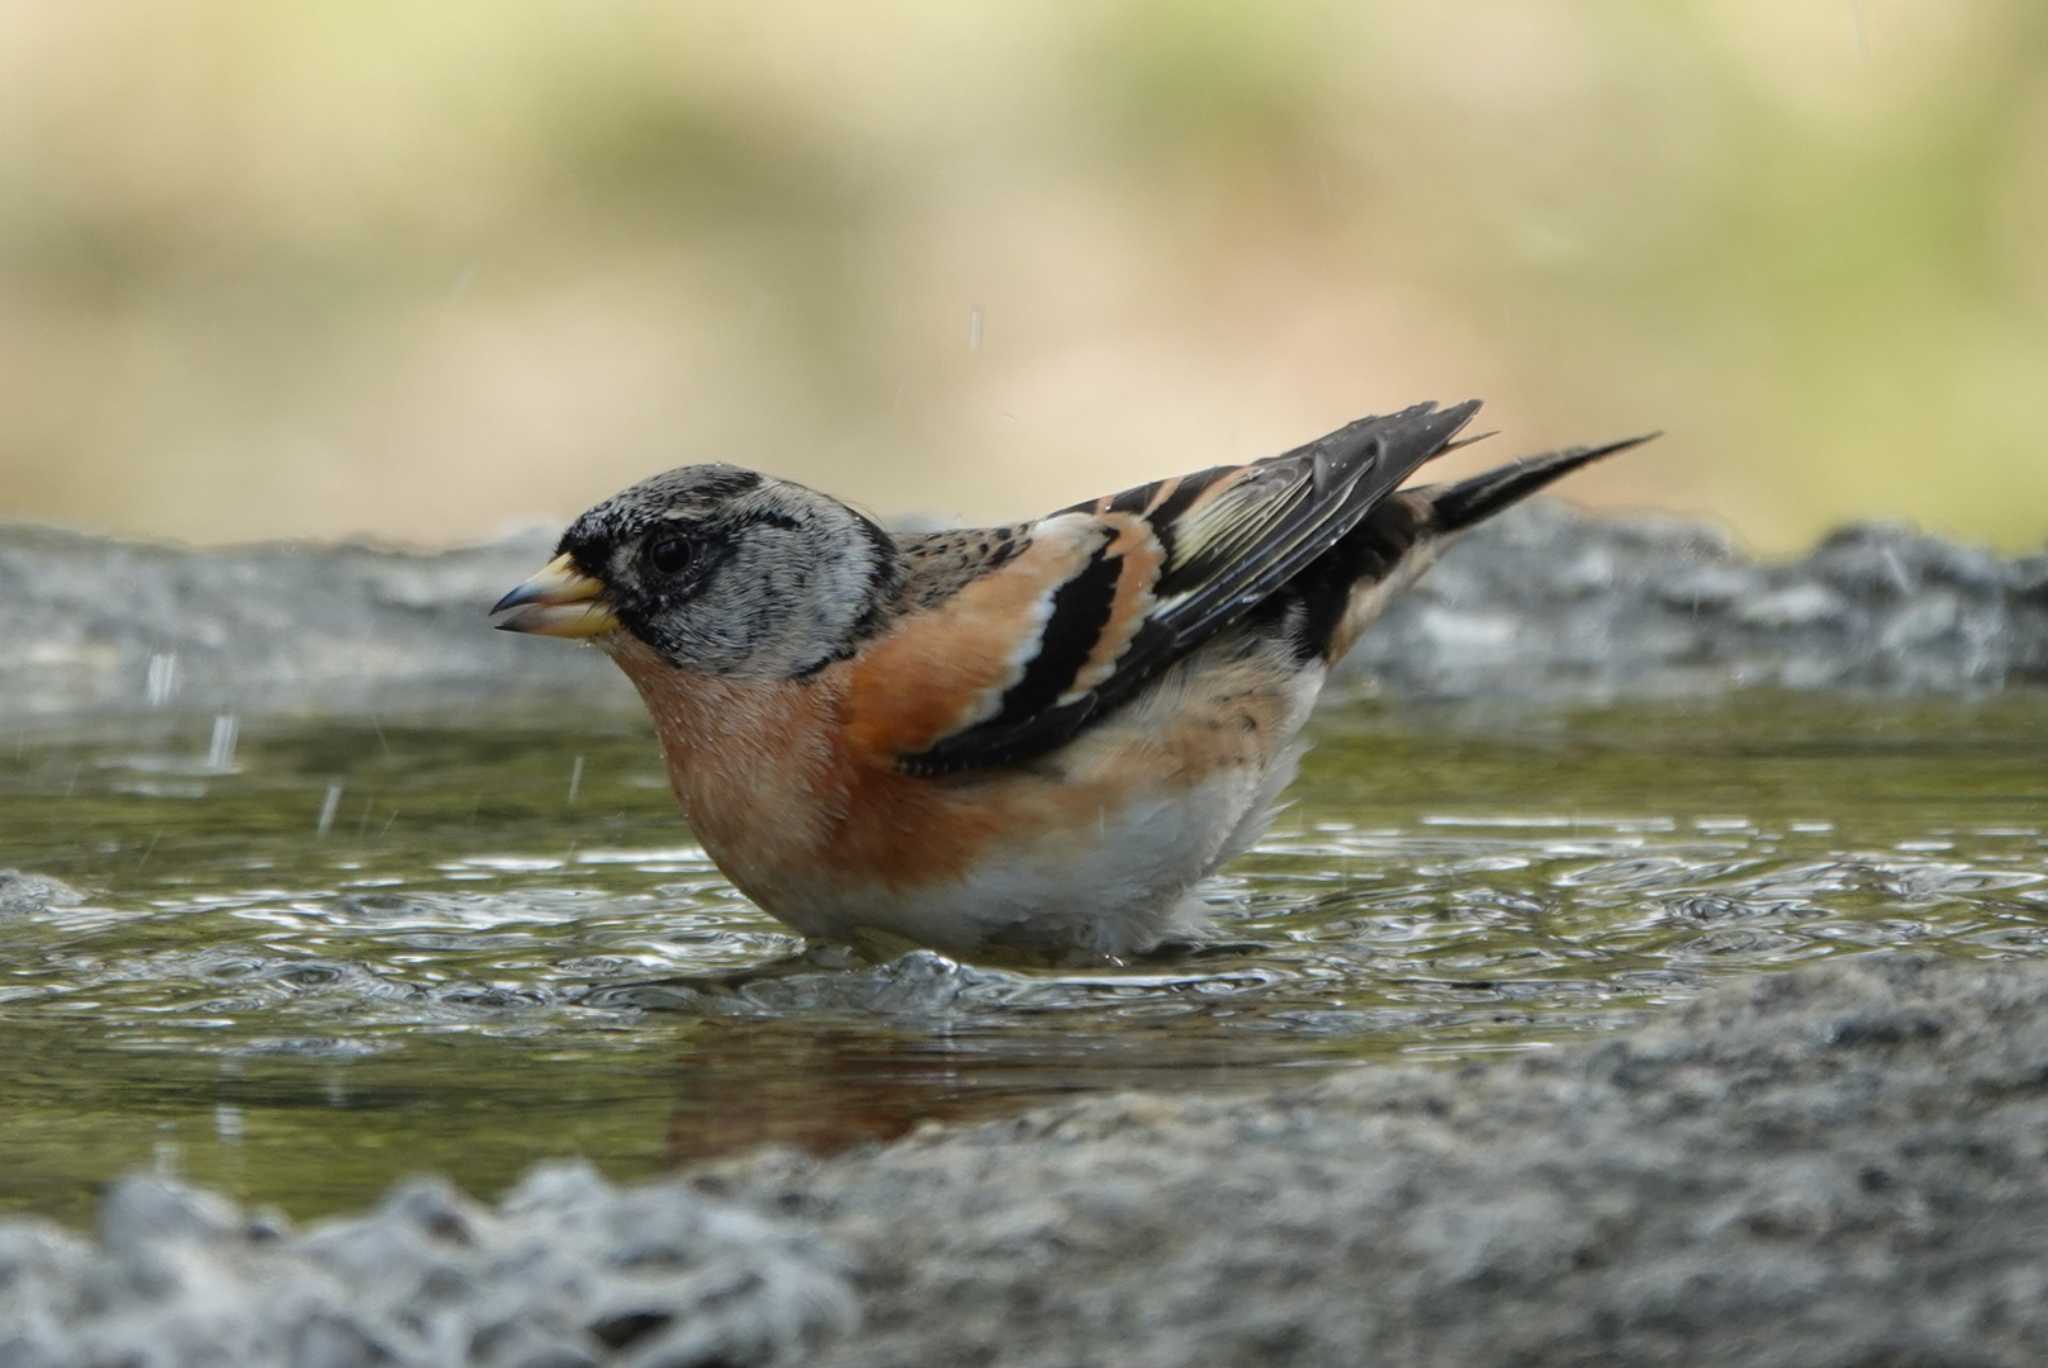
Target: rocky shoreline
pixel 1542 601
pixel 1837 1166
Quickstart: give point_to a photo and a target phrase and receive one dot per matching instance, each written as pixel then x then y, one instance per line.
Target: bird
pixel 1034 740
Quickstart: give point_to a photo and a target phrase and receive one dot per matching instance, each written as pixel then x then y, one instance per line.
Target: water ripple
pixel 469 966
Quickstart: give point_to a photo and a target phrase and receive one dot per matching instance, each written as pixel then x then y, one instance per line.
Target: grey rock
pixel 1542 600
pixel 142 1210
pixel 1796 606
pixel 1892 560
pixel 115 627
pixel 1931 617
pixel 22 894
pixel 2027 579
pixel 567 1270
pixel 1706 588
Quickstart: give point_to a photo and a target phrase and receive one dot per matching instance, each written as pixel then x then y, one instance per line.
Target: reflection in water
pixel 312 959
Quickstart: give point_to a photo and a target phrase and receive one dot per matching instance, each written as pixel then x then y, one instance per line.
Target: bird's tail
pixel 1455 507
pixel 1403 535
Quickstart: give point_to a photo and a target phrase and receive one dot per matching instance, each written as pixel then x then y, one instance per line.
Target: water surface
pixel 314 956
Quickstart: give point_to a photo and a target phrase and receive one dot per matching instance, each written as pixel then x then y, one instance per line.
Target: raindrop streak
pixel 974 329
pixel 161 683
pixel 220 751
pixel 229 1123
pixel 575 779
pixel 327 808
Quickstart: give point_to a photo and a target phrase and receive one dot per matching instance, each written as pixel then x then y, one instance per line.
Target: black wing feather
pixel 1222 561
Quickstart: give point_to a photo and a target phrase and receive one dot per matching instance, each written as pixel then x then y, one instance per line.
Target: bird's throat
pixel 750 760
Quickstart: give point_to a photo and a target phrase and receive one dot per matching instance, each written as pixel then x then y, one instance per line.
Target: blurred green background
pixel 423 270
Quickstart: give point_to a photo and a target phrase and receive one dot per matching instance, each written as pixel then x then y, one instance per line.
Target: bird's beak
pixel 560 601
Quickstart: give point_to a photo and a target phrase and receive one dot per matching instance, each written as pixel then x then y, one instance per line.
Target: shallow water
pixel 313 957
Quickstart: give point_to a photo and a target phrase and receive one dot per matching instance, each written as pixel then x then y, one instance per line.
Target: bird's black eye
pixel 671 553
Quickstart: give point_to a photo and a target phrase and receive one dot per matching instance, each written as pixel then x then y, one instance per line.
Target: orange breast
pixel 789 803
pixel 777 788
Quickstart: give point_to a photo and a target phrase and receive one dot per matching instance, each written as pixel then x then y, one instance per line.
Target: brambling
pixel 1037 738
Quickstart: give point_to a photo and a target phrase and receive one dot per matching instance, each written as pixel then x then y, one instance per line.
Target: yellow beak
pixel 560 601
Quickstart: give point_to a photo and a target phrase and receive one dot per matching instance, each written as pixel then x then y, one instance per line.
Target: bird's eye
pixel 671 553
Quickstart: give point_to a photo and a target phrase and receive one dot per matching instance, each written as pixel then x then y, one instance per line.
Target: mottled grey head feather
pixel 779 580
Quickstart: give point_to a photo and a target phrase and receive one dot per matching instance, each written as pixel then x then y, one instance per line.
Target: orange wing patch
pixel 947 668
pixel 1043 629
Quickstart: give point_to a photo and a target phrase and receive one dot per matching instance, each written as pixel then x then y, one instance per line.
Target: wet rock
pixel 1543 600
pixel 566 1270
pixel 2027 579
pixel 1546 601
pixel 1794 607
pixel 1891 560
pixel 1707 588
pixel 143 1210
pixel 22 893
pixel 1929 618
pixel 116 626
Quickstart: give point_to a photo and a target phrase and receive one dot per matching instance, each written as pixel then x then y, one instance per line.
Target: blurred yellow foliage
pixel 420 270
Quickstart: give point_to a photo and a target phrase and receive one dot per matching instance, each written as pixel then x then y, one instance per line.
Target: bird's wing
pixel 1093 602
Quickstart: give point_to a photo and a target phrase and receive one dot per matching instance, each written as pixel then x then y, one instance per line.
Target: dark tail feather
pixel 1455 507
pixel 1344 591
pixel 1448 447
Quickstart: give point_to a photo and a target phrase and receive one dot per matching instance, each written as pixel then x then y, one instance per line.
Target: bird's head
pixel 717 570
